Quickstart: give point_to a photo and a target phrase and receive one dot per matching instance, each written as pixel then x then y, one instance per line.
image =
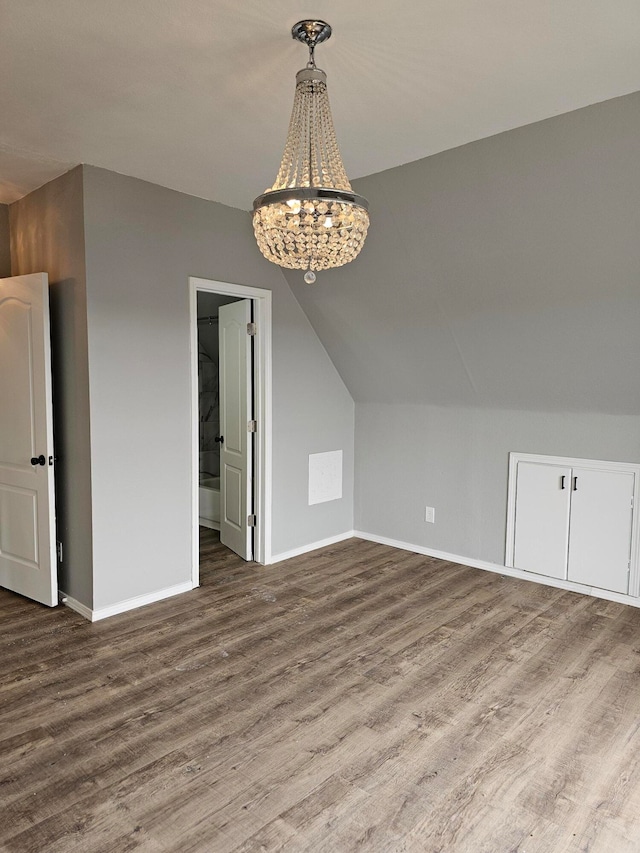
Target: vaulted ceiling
pixel 501 274
pixel 196 95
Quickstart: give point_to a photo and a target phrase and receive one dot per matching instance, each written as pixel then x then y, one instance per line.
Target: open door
pixel 236 457
pixel 27 505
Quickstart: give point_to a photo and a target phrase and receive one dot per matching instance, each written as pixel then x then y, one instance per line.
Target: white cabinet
pixel 600 529
pixel 542 519
pixel 572 520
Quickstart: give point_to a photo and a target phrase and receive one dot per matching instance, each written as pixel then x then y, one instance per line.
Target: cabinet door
pixel 542 518
pixel 600 532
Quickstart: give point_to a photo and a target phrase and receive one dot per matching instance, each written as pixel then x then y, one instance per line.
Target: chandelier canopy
pixel 310 218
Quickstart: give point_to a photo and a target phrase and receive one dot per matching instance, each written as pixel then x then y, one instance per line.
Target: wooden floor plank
pixel 358 698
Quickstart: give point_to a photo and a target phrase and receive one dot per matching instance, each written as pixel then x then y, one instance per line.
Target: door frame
pixel 262 370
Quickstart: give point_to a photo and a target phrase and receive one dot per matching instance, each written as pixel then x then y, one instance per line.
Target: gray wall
pixel 47 235
pixel 5 246
pixel 456 460
pixel 494 307
pixel 142 244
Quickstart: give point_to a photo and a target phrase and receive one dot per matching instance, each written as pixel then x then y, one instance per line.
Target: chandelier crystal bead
pixel 310 218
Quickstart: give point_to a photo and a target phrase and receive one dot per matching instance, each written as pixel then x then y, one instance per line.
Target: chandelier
pixel 310 219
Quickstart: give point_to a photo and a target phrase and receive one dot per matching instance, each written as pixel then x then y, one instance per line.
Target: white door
pixel 27 507
pixel 542 519
pixel 236 483
pixel 600 536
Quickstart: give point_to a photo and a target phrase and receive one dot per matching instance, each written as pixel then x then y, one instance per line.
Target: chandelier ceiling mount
pixel 311 33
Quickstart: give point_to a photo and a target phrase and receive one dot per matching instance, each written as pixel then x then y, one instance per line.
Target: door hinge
pixel 252 426
pixel 251 329
pixel 59 550
pixel 251 520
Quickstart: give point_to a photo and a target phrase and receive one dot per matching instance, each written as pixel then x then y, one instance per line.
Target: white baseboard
pixel 127 604
pixel 205 522
pixel 313 546
pixel 502 570
pixel 74 604
pixel 484 565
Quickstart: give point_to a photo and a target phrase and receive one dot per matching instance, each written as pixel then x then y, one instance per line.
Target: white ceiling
pixel 196 94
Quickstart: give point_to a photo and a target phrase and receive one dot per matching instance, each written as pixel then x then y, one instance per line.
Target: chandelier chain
pixel 311 62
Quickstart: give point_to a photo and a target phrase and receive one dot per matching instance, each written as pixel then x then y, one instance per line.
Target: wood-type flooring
pixel 358 698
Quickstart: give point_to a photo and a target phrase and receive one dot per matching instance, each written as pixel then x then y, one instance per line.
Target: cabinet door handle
pixel 562 481
pixel 575 484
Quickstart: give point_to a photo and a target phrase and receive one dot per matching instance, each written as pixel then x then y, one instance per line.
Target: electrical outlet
pixel 430 514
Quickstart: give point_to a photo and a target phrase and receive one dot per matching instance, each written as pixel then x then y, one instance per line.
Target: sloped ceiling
pixel 505 273
pixel 196 94
pixel 502 271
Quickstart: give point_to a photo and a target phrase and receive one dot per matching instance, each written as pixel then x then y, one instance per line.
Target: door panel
pixel 233 496
pixel 27 509
pixel 17 435
pixel 236 486
pixel 19 524
pixel 542 518
pixel 600 535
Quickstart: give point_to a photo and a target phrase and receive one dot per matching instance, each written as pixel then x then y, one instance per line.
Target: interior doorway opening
pixel 231 417
pixel 210 436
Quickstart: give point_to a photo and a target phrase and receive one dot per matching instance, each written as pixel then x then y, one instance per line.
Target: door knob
pixel 38 460
pixel 220 438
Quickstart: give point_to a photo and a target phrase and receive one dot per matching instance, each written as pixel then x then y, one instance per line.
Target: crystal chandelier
pixel 310 219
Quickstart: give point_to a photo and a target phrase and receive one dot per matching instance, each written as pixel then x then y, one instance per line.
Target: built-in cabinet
pixel 573 520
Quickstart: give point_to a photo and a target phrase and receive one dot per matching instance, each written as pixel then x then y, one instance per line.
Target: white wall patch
pixel 325 476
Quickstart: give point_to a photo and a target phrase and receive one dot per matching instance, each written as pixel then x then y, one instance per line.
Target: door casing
pixel 262 370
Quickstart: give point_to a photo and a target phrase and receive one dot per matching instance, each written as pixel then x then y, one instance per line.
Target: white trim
pixel 512 481
pixel 574 462
pixel 195 438
pixel 262 376
pixel 205 522
pixel 127 604
pixel 312 546
pixel 486 566
pixel 50 442
pixel 74 604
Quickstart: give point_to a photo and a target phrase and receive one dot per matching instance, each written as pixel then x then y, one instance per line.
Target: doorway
pixel 210 435
pixel 222 462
